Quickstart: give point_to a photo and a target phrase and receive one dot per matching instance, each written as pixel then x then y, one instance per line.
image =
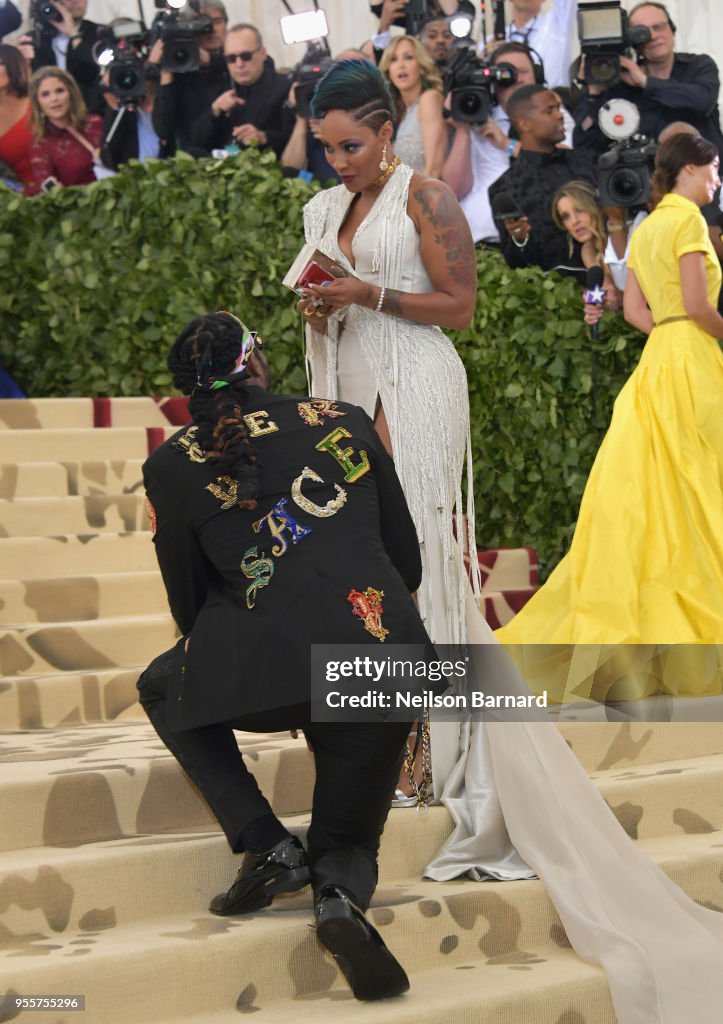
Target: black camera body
pixel 313 66
pixel 415 14
pixel 181 52
pixel 624 172
pixel 605 37
pixel 470 81
pixel 44 16
pixel 127 76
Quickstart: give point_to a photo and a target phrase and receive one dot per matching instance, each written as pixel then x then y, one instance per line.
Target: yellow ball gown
pixel 645 568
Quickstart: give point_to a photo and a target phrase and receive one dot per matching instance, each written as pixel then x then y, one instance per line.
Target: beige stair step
pixel 97 513
pixel 600 746
pixel 40 413
pixel 202 963
pixel 153 876
pixel 70 699
pixel 77 598
pixel 28 558
pixel 96 782
pixel 85 646
pixel 49 413
pixel 91 444
pixel 61 479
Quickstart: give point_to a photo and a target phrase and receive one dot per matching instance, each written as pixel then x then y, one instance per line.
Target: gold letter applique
pixel 187 443
pixel 330 444
pixel 322 511
pixel 278 520
pixel 260 570
pixel 254 421
pixel 314 413
pixel 227 498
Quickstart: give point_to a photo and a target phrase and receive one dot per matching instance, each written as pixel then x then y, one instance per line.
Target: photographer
pixel 252 110
pixel 128 132
pixel 182 98
pixel 481 153
pixel 550 34
pixel 664 85
pixel 526 190
pixel 67 42
pixel 416 18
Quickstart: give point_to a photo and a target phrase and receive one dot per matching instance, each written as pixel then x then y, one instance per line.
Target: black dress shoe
pixel 359 950
pixel 262 876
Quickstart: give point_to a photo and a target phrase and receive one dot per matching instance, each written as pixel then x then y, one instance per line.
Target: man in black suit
pixel 68 42
pixel 280 523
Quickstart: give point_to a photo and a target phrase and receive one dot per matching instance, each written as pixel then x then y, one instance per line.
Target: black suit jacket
pixel 249 648
pixel 263 107
pixel 10 19
pixel 80 63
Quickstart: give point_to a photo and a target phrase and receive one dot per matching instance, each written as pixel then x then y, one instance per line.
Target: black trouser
pixel 357 768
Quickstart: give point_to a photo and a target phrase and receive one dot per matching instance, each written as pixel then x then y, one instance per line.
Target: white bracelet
pixel 380 301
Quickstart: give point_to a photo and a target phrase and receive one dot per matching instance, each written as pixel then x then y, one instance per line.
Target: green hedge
pixel 98 280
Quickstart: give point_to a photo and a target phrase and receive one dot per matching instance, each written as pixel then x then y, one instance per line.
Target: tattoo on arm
pixel 393 302
pixel 450 232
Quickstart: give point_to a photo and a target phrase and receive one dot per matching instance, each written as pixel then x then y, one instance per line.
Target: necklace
pixel 386 174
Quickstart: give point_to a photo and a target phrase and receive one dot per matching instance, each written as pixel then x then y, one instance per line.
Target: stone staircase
pixel 108 856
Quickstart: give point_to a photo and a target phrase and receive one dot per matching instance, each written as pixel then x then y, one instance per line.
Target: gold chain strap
pixel 423 790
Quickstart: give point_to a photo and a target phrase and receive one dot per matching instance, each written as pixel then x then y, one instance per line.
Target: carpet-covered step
pixel 57 889
pixel 88 444
pixel 28 558
pixel 75 598
pixel 43 413
pixel 69 699
pixel 155 875
pixel 85 646
pixel 101 775
pixel 201 962
pixel 562 990
pixel 62 479
pixel 600 746
pixel 96 782
pixel 500 606
pixel 96 513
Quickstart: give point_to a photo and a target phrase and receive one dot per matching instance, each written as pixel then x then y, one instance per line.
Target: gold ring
pixel 308 312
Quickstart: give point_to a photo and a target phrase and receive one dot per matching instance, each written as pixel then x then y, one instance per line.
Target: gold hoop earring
pixel 383 163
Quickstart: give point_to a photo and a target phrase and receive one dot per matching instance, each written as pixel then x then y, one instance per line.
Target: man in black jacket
pixel 252 110
pixel 665 86
pixel 292 531
pixel 182 98
pixel 9 18
pixel 531 239
pixel 68 43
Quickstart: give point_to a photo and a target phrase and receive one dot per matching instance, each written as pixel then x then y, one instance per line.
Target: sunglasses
pixel 246 56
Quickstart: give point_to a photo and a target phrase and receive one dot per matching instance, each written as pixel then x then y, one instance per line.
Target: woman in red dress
pixel 67 138
pixel 15 128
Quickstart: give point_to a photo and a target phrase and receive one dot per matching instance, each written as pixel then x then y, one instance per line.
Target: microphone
pixel 594 294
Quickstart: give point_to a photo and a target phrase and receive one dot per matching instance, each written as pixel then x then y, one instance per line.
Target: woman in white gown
pixel 516 793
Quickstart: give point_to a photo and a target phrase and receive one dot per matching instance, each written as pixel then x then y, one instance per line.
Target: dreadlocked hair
pixel 358 88
pixel 206 350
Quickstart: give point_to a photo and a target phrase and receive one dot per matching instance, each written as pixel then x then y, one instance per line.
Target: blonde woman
pixel 418 97
pixel 67 138
pixel 575 209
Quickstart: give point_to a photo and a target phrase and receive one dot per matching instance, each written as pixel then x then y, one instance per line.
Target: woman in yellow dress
pixel 646 562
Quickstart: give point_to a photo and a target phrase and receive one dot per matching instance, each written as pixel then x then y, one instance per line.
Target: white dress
pixel 516 793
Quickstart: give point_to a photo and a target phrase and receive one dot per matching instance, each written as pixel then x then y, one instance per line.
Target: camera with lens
pixel 121 51
pixel 605 37
pixel 44 16
pixel 180 33
pixel 469 82
pixel 625 171
pixel 314 64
